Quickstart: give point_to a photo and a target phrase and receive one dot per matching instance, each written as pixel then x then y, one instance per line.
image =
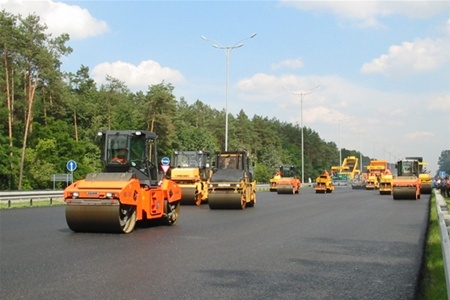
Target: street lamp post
pixel 227 56
pixel 301 94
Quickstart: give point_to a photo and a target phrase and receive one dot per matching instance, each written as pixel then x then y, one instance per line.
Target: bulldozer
pixel 131 188
pixel 324 184
pixel 289 182
pixel 407 183
pixel 232 185
pixel 192 171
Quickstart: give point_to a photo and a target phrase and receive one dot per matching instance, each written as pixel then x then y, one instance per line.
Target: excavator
pixel 232 185
pixel 130 188
pixel 191 171
pixel 289 182
pixel 424 176
pixel 407 184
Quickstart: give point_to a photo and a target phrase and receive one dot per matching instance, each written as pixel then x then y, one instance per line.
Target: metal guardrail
pixel 444 227
pixel 18 196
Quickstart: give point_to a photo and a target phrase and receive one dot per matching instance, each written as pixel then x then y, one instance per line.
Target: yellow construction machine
pixel 424 175
pixel 232 185
pixel 289 182
pixel 130 188
pixel 324 184
pixel 407 183
pixel 385 186
pixel 374 170
pixel 350 167
pixel 191 171
pixel 273 181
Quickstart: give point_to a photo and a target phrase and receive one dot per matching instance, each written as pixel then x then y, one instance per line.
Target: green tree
pixel 444 161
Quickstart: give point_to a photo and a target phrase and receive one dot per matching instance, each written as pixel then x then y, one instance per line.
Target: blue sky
pixel 383 67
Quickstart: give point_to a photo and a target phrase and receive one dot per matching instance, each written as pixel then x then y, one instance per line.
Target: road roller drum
pixel 285 189
pixel 226 201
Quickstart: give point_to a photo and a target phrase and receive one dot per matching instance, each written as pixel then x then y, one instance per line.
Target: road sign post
pixel 71 166
pixel 165 164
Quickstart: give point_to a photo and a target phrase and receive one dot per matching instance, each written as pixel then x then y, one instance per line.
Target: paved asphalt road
pixel 351 244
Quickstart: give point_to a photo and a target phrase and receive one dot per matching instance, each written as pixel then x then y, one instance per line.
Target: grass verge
pixel 433 284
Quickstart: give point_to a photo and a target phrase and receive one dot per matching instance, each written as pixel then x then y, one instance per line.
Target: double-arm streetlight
pixel 302 94
pixel 227 55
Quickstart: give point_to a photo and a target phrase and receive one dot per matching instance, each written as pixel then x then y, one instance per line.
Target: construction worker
pixel 121 156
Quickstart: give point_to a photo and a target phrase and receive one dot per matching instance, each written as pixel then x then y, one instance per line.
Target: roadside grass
pixel 433 284
pixel 27 204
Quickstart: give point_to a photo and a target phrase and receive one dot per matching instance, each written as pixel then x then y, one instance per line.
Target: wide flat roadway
pixel 351 244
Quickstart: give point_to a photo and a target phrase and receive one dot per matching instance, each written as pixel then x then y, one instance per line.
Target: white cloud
pixel 288 63
pixel 410 57
pixel 136 77
pixel 419 135
pixel 365 13
pixel 439 103
pixel 59 17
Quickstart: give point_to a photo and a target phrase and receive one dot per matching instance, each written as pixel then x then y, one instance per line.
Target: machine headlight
pixel 75 194
pixel 109 195
pixel 138 132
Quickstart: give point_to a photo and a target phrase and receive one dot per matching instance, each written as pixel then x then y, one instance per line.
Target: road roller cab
pixel 191 170
pixel 289 182
pixel 130 188
pixel 407 183
pixel 232 185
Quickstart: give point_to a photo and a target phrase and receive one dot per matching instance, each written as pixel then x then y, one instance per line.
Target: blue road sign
pixel 71 165
pixel 442 174
pixel 165 161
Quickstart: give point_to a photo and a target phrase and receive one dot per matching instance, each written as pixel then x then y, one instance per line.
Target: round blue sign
pixel 71 165
pixel 165 161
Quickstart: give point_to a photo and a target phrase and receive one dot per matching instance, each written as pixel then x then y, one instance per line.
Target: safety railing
pixel 444 227
pixel 29 196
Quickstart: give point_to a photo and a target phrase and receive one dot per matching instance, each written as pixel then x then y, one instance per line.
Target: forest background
pixel 49 117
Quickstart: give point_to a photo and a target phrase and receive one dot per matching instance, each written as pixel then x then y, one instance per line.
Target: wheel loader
pixel 407 183
pixel 130 189
pixel 232 185
pixel 191 170
pixel 324 184
pixel 289 182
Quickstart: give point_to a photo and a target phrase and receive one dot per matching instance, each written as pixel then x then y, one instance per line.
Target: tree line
pixel 50 117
